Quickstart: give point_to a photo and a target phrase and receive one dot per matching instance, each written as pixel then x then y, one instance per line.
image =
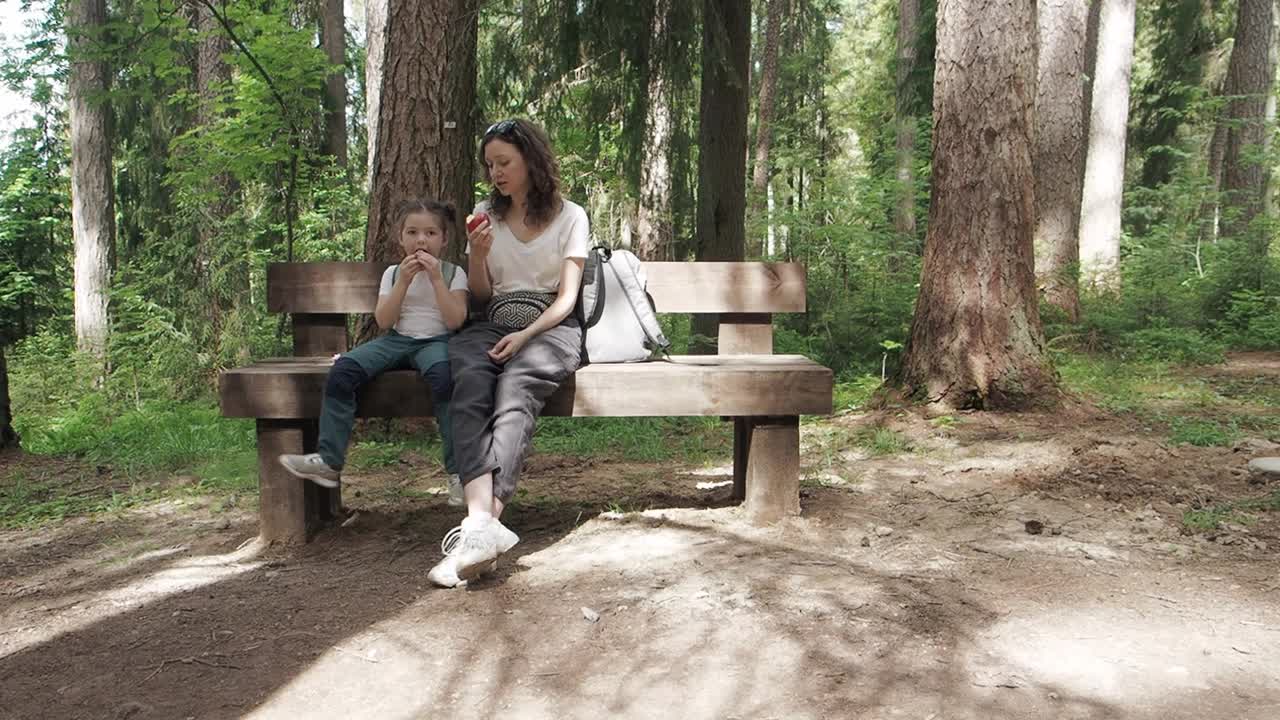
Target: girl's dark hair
pixel 544 172
pixel 443 211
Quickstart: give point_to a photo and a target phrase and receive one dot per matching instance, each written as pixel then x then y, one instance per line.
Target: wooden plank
pixel 773 474
pixel 676 287
pixel 692 385
pixel 745 334
pixel 282 497
pixel 323 287
pixel 319 334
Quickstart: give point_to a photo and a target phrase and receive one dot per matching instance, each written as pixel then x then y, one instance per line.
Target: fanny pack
pixel 518 309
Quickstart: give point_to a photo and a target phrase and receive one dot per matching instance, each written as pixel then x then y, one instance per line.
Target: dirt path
pixel 912 586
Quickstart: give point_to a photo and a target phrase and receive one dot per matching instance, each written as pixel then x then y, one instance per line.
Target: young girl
pixel 421 302
pixel 525 260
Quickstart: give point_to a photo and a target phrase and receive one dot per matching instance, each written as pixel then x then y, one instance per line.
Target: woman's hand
pixel 508 346
pixel 481 239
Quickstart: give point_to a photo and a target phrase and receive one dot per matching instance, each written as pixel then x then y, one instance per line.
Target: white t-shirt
pixel 535 265
pixel 419 314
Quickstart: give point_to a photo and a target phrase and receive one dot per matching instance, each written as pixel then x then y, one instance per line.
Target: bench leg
pixel 741 455
pixel 773 469
pixel 289 508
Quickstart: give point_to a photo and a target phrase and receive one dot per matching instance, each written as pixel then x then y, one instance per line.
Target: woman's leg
pixel 475 376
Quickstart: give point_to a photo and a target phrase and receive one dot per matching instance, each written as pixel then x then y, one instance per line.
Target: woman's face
pixel 507 169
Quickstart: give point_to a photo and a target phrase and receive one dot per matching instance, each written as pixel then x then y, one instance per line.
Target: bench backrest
pixel 319 296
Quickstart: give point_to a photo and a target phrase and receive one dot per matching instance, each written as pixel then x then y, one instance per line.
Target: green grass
pixel 1242 512
pixel 636 439
pixel 882 441
pixel 1202 433
pixel 29 502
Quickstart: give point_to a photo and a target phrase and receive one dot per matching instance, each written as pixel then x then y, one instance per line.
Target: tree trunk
pixel 764 124
pixel 375 16
pixel 976 340
pixel 212 74
pixel 1244 173
pixel 1104 165
pixel 653 222
pixel 424 145
pixel 334 36
pixel 722 142
pixel 8 437
pixel 1059 150
pixel 904 217
pixel 92 194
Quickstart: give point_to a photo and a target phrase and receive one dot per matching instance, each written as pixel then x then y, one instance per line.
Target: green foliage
pixel 1181 346
pixel 636 439
pixel 882 441
pixel 1201 433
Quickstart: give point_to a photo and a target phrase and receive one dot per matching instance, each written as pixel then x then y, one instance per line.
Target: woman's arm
pixel 566 299
pixel 479 242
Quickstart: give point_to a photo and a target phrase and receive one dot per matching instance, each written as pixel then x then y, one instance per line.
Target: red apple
pixel 475 221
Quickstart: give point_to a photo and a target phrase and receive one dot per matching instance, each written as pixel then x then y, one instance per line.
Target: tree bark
pixel 334 37
pixel 1059 150
pixel 8 437
pixel 976 339
pixel 424 145
pixel 904 217
pixel 764 123
pixel 653 221
pixel 375 16
pixel 722 141
pixel 92 193
pixel 1104 164
pixel 1244 172
pixel 212 74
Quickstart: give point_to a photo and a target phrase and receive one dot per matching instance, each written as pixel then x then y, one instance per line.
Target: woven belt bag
pixel 518 309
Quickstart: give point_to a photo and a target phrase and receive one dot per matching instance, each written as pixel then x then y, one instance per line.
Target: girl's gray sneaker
pixel 311 467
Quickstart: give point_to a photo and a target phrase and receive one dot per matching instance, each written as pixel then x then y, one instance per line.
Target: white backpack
pixel 616 312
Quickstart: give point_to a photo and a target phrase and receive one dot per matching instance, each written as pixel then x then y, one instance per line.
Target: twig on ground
pixel 187 661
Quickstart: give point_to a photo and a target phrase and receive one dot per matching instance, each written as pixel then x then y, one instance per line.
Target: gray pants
pixel 494 406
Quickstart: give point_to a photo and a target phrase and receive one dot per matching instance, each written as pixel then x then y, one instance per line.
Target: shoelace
pixel 451 540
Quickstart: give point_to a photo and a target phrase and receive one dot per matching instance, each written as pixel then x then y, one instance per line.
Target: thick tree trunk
pixel 653 222
pixel 1244 172
pixel 92 193
pixel 1104 165
pixel 334 36
pixel 212 74
pixel 424 143
pixel 764 124
pixel 904 216
pixel 375 17
pixel 722 140
pixel 976 340
pixel 8 437
pixel 1059 150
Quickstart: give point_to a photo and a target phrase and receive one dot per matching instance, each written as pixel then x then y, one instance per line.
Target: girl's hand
pixel 507 347
pixel 431 264
pixel 409 267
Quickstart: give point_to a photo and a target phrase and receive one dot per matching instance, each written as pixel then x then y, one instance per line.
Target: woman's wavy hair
pixel 544 172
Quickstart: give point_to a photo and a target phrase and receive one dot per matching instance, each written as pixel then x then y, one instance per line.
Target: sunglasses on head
pixel 504 127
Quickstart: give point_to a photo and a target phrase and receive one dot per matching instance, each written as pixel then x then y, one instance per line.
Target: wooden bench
pixel 763 393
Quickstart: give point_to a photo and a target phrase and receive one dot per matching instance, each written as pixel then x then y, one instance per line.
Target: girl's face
pixel 507 169
pixel 422 231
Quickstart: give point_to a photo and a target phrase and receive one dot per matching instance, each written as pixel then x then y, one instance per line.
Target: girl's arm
pixel 387 311
pixel 452 303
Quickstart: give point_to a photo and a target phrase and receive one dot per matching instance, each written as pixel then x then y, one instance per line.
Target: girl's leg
pixel 432 361
pixel 346 377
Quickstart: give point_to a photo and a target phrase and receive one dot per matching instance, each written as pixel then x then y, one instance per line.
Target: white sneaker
pixel 311 467
pixel 456 498
pixel 503 536
pixel 469 551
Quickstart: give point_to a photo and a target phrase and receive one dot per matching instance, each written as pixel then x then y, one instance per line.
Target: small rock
pixel 1265 465
pixel 1033 527
pixel 590 615
pixel 865 542
pixel 884 531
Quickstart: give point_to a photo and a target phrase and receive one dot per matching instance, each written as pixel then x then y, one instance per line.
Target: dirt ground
pixel 1005 567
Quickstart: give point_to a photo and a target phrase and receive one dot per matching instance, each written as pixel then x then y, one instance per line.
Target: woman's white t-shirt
pixel 420 315
pixel 535 265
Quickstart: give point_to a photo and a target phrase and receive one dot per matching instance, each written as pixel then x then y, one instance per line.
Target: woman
pixel 525 259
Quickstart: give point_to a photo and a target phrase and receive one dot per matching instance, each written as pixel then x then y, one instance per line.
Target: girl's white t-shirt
pixel 420 315
pixel 535 265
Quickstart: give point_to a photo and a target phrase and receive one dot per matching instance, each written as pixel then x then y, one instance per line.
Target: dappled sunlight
pixel 183 575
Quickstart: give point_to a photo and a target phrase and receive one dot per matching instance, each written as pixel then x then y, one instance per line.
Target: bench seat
pixel 727 385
